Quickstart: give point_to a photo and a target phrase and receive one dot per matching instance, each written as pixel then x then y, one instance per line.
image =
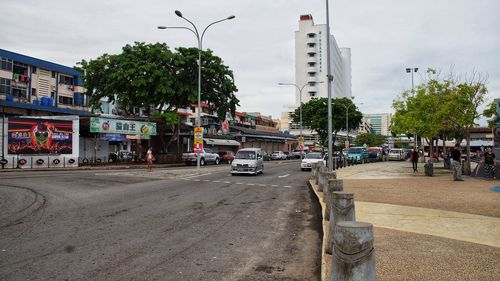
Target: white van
pixel 248 161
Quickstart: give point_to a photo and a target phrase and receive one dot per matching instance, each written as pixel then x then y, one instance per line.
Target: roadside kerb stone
pixel 342 210
pixel 332 186
pixel 354 256
pixel 327 176
pixel 321 178
pixel 315 171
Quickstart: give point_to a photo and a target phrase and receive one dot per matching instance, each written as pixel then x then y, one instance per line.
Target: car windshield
pixel 314 156
pixel 394 151
pixel 276 152
pixel 245 155
pixel 355 150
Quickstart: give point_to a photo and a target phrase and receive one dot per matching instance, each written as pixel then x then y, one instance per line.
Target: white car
pixel 278 155
pixel 311 157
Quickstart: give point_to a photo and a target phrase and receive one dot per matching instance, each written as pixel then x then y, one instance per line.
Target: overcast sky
pixel 385 37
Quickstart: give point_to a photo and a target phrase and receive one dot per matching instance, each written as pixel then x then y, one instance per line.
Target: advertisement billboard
pixel 126 127
pixel 39 136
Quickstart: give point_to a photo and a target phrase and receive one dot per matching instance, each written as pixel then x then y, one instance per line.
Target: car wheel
pixel 217 161
pixel 202 161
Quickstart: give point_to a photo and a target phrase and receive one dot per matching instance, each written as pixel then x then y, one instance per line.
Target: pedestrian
pixel 150 158
pixel 414 159
pixel 489 162
pixel 456 163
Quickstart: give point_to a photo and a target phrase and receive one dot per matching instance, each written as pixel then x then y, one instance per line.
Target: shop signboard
pixel 39 136
pixel 198 139
pixel 113 137
pixel 126 127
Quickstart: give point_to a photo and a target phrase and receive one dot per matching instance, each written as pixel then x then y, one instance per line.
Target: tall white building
pixel 380 123
pixel 311 62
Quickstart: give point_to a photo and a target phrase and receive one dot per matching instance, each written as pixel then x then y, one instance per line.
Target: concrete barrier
pixel 342 210
pixel 326 177
pixel 321 178
pixel 353 257
pixel 332 186
pixel 315 171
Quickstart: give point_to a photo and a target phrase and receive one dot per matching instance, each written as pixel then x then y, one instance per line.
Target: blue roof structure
pixel 45 108
pixel 39 63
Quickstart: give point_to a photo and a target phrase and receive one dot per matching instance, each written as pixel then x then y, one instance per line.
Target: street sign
pixel 301 139
pixel 346 144
pixel 198 135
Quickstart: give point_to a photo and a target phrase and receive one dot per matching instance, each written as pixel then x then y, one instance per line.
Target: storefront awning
pixel 221 142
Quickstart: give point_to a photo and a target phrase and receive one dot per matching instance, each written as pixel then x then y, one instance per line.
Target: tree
pixel 315 116
pixel 491 113
pixel 151 76
pixel 369 139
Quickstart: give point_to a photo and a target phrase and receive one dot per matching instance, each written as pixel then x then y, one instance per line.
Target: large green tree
pixel 152 76
pixel 315 116
pixel 369 139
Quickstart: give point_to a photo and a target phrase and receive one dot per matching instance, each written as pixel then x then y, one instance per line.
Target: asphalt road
pixel 172 224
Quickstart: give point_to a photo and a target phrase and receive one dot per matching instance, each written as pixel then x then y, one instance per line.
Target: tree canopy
pixel 151 75
pixel 315 116
pixel 369 139
pixel 441 108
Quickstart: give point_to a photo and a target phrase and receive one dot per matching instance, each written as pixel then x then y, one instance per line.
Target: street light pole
pixel 200 48
pixel 413 70
pixel 330 80
pixel 300 102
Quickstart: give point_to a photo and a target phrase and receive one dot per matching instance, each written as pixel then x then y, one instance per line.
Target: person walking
pixel 489 162
pixel 414 159
pixel 150 158
pixel 456 163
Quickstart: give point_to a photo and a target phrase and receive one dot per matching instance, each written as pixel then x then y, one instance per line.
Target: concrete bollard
pixel 326 177
pixel 353 257
pixel 342 210
pixel 332 186
pixel 321 178
pixel 315 171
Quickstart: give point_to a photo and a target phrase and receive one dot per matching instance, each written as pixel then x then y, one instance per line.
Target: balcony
pixel 311 69
pixel 312 79
pixel 311 50
pixel 311 34
pixel 312 89
pixel 311 41
pixel 311 60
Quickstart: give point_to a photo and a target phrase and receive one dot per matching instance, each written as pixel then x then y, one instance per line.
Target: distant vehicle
pixel 248 161
pixel 297 153
pixel 396 154
pixel 278 155
pixel 357 154
pixel 226 156
pixel 266 156
pixel 312 157
pixel 289 155
pixel 374 154
pixel 120 156
pixel 207 156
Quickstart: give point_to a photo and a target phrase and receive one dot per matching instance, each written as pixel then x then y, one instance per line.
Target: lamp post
pixel 413 70
pixel 329 75
pixel 300 106
pixel 200 48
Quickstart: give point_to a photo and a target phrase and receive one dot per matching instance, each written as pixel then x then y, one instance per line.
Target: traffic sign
pixel 198 135
pixel 301 139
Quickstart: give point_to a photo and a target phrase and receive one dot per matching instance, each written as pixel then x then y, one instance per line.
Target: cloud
pixel 385 37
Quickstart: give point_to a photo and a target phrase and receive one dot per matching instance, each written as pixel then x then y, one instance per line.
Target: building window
pixel 5 64
pixel 33 91
pixel 66 80
pixel 33 69
pixel 65 100
pixel 53 74
pixel 19 92
pixel 53 94
pixel 4 86
pixel 313 94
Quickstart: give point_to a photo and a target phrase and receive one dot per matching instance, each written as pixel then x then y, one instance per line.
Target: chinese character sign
pixel 126 127
pixel 198 139
pixel 39 136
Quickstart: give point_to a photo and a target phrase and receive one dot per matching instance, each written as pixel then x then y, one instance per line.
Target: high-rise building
pixel 380 123
pixel 311 62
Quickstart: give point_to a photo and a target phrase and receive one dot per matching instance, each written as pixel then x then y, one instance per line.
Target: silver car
pixel 248 161
pixel 278 155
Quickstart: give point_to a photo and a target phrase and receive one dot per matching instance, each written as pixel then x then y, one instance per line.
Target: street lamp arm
pixel 177 27
pixel 195 30
pixel 204 30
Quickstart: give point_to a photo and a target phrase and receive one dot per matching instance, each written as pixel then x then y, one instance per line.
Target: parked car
pixel 289 155
pixel 207 155
pixel 248 161
pixel 312 157
pixel 297 153
pixel 396 154
pixel 357 154
pixel 374 154
pixel 278 155
pixel 226 156
pixel 266 156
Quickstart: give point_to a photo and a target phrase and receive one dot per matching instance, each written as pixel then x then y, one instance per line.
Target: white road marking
pixel 274 185
pixel 250 183
pixel 199 175
pixel 288 186
pixel 206 180
pixel 196 180
pixel 239 183
pixel 284 176
pixel 216 181
pixel 227 182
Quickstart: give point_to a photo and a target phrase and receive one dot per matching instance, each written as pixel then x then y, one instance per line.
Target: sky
pixel 385 37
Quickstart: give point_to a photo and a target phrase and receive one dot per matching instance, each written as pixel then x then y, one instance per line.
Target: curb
pixel 326 260
pixel 90 168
